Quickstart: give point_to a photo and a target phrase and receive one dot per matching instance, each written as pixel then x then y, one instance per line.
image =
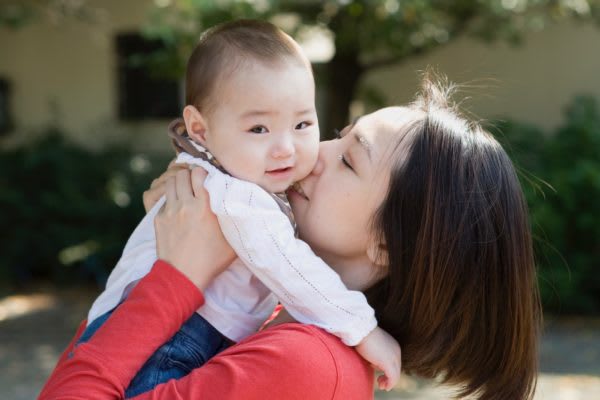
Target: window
pixel 143 95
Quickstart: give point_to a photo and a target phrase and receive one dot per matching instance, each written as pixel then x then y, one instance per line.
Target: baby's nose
pixel 283 147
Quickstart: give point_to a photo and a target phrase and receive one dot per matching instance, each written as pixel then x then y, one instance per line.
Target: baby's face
pixel 263 124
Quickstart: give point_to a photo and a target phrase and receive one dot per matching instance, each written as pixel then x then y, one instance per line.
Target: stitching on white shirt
pixel 289 297
pixel 291 265
pixel 306 280
pixel 234 224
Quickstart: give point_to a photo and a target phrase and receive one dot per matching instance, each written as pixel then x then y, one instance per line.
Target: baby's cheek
pixel 302 171
pixel 307 162
pixel 245 169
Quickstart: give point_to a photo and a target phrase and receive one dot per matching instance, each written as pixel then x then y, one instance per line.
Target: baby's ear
pixel 195 124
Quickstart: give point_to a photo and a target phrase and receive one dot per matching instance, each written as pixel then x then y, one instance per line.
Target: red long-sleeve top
pixel 287 361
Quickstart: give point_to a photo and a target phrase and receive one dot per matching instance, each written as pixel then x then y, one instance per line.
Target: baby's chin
pixel 278 187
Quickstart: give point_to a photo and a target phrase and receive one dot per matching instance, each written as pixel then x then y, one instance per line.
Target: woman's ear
pixel 195 124
pixel 378 254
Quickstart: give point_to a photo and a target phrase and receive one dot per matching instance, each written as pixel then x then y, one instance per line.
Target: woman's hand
pixel 158 188
pixel 188 235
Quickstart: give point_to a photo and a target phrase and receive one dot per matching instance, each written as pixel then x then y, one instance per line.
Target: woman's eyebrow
pixel 363 143
pixel 360 138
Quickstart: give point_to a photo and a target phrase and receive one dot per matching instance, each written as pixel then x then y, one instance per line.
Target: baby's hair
pixel 229 46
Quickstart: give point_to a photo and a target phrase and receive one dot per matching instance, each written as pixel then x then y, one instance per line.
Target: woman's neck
pixel 356 275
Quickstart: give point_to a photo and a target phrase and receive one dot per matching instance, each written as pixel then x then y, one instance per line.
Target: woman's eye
pixel 346 163
pixel 303 125
pixel 258 129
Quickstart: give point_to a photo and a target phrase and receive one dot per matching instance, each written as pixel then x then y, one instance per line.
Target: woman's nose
pixel 283 147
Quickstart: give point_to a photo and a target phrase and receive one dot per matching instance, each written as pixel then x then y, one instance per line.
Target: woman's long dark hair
pixel 461 294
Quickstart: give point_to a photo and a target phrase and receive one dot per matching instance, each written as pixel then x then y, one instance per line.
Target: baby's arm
pixel 311 291
pixel 264 240
pixel 383 352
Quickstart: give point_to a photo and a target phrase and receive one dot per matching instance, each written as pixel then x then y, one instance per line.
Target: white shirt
pixel 273 265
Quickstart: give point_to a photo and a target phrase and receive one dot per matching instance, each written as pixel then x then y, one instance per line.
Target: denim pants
pixel 194 344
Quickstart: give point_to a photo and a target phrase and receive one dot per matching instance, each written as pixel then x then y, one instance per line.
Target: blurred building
pixel 72 75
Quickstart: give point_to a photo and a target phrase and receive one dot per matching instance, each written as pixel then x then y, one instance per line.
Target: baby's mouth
pixel 298 189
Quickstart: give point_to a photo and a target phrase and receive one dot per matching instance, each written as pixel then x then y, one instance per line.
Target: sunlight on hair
pixel 19 305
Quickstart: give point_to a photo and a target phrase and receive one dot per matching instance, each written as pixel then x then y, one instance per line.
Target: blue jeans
pixel 194 344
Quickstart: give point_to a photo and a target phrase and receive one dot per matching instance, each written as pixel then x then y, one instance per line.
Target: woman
pixel 417 207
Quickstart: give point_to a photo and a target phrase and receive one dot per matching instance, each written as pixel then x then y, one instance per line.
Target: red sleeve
pixel 290 361
pixel 103 367
pixel 65 353
pixel 284 362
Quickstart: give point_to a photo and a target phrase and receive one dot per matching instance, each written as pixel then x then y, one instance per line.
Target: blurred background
pixel 88 87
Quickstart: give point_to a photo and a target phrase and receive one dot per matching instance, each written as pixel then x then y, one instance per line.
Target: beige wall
pixel 531 83
pixel 73 66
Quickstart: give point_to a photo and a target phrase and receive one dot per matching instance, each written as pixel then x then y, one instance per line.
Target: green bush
pixel 67 212
pixel 560 173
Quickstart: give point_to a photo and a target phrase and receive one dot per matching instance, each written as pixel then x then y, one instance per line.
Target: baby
pixel 251 122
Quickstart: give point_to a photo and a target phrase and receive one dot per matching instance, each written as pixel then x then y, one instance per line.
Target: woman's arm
pixel 288 361
pixel 185 229
pixel 103 367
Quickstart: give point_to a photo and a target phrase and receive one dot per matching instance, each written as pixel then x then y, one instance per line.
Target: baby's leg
pixel 193 345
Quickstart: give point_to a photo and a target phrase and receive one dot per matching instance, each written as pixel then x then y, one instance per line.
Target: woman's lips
pixel 297 189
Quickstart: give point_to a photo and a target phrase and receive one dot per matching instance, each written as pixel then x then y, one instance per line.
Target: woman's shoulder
pixel 307 356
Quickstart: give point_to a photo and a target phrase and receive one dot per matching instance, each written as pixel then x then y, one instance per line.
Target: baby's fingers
pixel 385 383
pixel 391 376
pixel 382 383
pixel 198 177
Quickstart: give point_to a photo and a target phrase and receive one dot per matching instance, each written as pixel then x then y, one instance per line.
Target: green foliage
pixel 378 32
pixel 67 212
pixel 561 178
pixel 367 34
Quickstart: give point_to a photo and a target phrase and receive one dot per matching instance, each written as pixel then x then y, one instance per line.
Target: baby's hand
pixel 383 352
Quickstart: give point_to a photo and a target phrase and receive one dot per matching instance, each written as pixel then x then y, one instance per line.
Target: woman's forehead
pixel 394 117
pixel 384 128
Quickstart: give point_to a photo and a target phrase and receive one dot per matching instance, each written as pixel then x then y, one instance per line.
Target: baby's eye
pixel 303 125
pixel 258 129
